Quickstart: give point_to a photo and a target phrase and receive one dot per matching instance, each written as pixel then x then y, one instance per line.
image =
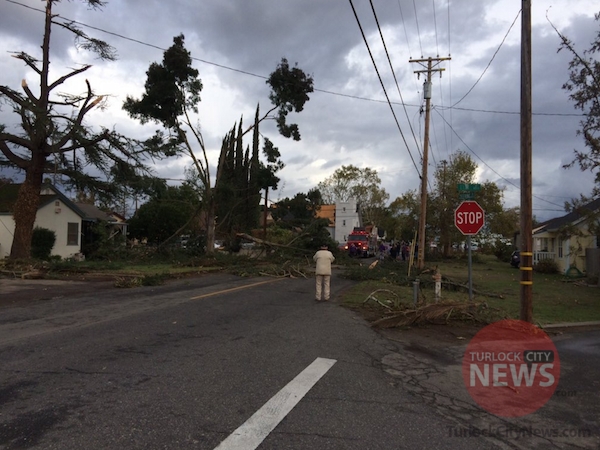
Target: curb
pixel 572 325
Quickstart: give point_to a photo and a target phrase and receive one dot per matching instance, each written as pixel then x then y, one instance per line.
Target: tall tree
pixel 167 211
pixel 406 210
pixel 300 210
pixel 266 177
pixel 52 137
pixel 444 199
pixel 584 90
pixel 172 94
pixel 238 190
pixel 363 185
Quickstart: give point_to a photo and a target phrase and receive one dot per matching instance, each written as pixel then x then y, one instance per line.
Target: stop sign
pixel 469 217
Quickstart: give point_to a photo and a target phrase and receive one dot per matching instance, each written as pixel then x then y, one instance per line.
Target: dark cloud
pixel 324 39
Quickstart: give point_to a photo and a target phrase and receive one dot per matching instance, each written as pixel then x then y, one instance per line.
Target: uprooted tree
pixel 51 135
pixel 172 95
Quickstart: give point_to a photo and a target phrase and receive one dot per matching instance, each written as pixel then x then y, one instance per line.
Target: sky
pixel 236 44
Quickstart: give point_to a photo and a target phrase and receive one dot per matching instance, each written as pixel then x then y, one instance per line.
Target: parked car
pixel 515 258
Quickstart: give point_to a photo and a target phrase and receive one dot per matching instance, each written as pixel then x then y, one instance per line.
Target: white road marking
pixel 250 434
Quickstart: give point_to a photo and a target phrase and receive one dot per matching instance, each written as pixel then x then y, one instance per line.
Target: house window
pixel 344 209
pixel 560 248
pixel 56 203
pixel 343 223
pixel 72 233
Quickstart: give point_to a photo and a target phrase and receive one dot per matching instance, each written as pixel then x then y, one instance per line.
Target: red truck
pixel 361 243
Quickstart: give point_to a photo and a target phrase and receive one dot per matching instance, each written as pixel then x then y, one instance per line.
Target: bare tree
pixel 51 136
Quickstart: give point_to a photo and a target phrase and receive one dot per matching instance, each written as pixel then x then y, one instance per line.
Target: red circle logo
pixel 511 368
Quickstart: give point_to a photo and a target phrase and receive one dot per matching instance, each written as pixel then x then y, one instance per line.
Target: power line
pixel 324 91
pixel 394 75
pixel 382 85
pixel 404 25
pixel 437 47
pixel 418 31
pixel 449 48
pixel 490 63
pixel 449 77
pixel 490 167
pixel 491 111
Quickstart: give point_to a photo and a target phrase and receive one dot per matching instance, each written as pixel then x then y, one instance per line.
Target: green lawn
pixel 555 298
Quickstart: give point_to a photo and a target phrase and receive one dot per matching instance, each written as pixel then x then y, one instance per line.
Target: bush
pixel 103 246
pixel 157 279
pixel 546 266
pixel 502 251
pixel 42 243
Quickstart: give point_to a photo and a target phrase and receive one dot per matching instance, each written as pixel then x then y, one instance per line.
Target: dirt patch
pixel 434 335
pixel 453 332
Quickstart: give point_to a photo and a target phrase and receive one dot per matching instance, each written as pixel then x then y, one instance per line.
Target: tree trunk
pixel 25 211
pixel 210 225
pixel 265 213
pixel 446 243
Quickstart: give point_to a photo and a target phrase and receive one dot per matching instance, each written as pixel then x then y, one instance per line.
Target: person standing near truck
pixel 323 258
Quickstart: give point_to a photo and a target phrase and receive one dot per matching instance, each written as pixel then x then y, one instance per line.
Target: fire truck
pixel 364 243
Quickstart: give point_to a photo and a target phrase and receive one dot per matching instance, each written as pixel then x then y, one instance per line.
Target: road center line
pixel 250 434
pixel 224 291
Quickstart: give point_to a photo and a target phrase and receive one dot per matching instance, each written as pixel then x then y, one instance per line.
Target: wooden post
pixel 427 95
pixel 438 285
pixel 526 310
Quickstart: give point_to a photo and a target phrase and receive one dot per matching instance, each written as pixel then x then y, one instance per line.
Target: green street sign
pixel 466 195
pixel 468 187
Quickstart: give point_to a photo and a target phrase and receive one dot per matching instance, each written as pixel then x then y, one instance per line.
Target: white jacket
pixel 324 258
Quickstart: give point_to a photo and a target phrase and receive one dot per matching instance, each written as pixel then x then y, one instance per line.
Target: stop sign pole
pixel 469 218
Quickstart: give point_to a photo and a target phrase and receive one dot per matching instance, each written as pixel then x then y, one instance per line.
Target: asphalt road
pixel 183 366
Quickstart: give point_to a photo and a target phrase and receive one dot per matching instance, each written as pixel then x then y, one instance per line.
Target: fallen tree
pixel 435 313
pixel 271 244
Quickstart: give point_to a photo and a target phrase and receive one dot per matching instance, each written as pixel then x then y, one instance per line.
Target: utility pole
pixel 430 67
pixel 526 266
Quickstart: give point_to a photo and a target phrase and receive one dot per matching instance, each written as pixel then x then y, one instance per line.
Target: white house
pixel 73 223
pixel 55 212
pixel 347 217
pixel 565 239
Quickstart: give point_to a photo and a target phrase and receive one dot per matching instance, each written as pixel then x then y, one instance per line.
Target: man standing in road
pixel 323 258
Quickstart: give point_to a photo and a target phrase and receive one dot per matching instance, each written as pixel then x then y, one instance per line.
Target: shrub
pixel 103 246
pixel 502 251
pixel 42 243
pixel 157 279
pixel 128 282
pixel 546 266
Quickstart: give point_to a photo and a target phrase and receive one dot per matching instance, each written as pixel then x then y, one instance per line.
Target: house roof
pixel 327 212
pixel 9 192
pixel 92 212
pixel 574 216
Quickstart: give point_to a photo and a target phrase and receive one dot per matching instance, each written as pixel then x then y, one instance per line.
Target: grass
pixel 556 298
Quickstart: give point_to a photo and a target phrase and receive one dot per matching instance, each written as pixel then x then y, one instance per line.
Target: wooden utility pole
pixel 526 265
pixel 431 63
